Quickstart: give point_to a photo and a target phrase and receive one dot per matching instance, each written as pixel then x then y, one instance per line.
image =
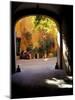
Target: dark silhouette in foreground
pixel 56 66
pixel 18 69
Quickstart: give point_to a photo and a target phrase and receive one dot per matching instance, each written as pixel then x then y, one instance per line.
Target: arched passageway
pixel 38 10
pixel 42 81
pixel 37 36
pixel 57 12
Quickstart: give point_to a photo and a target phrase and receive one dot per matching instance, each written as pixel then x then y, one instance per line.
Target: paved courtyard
pixel 38 77
pixel 37 64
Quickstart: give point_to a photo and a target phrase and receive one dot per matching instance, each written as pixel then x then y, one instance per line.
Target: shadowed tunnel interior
pixel 36 80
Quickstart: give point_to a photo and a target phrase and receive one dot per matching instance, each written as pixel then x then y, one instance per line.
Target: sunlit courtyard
pixel 36 37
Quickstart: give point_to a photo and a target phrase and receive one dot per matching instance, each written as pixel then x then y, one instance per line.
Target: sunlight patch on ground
pixel 60 83
pixel 70 77
pixel 65 86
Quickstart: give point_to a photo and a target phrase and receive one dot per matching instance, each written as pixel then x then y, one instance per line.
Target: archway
pixel 37 37
pixel 37 10
pixel 44 78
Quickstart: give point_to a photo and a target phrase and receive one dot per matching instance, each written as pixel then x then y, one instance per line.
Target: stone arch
pixel 36 9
